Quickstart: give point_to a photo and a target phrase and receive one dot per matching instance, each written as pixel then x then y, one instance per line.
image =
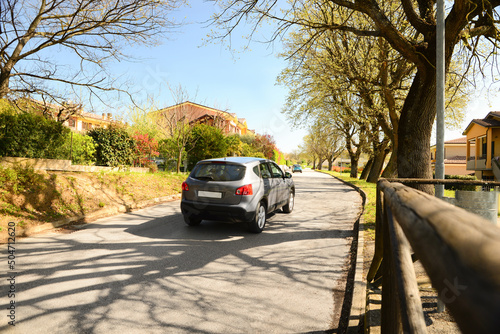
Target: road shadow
pixel 153 267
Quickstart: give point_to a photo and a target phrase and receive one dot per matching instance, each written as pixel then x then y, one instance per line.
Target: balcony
pixel 481 164
pixel 471 163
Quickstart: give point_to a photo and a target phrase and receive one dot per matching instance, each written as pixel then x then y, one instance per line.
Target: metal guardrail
pixel 459 251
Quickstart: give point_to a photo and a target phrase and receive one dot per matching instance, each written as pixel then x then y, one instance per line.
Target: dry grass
pixel 29 197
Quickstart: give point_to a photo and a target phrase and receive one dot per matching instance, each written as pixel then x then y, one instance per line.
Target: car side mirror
pixel 288 175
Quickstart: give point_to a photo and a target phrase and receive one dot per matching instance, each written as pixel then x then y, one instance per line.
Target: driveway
pixel 148 272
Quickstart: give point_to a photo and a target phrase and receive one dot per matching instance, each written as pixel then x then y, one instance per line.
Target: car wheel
pixel 257 224
pixel 191 221
pixel 291 201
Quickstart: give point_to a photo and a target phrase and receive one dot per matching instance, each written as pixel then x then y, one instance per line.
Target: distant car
pixel 236 189
pixel 296 169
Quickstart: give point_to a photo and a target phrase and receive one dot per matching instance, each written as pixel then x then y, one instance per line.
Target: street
pixel 148 272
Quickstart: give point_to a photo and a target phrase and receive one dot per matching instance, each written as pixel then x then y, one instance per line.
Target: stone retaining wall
pixel 62 165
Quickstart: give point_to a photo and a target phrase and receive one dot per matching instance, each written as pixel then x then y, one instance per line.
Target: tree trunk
pixel 179 157
pixel 320 164
pixel 354 168
pixel 366 169
pixel 378 162
pixel 391 170
pixel 4 83
pixel 415 127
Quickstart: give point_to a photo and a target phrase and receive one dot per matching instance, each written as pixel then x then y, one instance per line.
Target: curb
pixel 358 306
pixel 102 213
pixel 357 312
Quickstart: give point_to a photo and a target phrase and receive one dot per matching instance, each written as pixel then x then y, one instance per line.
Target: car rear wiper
pixel 204 178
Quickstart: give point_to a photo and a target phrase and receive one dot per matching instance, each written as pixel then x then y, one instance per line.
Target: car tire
pixel 257 224
pixel 288 208
pixel 191 221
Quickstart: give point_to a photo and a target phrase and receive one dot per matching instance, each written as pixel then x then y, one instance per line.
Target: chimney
pixel 103 116
pixel 110 117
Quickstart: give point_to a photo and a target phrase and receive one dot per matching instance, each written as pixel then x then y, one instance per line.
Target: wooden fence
pixel 460 252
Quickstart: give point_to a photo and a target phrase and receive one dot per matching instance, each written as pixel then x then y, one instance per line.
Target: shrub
pixel 460 187
pixel 80 149
pixel 145 148
pixel 31 136
pixel 206 142
pixel 114 146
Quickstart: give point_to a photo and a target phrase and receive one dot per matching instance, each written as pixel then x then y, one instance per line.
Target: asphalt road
pixel 148 272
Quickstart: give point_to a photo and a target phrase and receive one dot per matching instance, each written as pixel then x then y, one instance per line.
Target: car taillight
pixel 185 186
pixel 245 190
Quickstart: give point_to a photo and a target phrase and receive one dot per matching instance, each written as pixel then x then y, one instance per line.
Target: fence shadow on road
pixel 156 267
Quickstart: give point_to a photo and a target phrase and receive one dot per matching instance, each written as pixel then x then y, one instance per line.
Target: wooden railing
pixel 459 251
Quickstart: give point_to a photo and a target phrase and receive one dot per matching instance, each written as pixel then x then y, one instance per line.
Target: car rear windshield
pixel 218 172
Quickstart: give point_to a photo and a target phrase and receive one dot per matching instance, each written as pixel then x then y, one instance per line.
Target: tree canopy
pixel 409 28
pixel 89 33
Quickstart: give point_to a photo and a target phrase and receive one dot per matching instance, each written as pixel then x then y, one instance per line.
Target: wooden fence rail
pixel 460 252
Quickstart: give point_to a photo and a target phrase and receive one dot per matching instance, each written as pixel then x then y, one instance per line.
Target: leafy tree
pixel 412 35
pixel 93 31
pixel 358 80
pixel 234 145
pixel 279 157
pixel 265 144
pixel 143 120
pixel 114 146
pixel 31 136
pixel 206 142
pixel 145 148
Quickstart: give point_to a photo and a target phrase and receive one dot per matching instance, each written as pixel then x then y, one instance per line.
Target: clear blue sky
pixel 241 83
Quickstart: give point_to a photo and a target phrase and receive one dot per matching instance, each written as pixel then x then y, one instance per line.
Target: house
pixel 455 152
pixel 229 123
pixel 483 146
pixel 84 121
pixel 70 114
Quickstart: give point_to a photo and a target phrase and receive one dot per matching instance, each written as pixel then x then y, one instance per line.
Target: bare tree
pixel 88 32
pixel 175 123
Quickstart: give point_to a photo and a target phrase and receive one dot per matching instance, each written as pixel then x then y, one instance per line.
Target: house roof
pixel 456 141
pixel 461 140
pixel 202 111
pixel 492 120
pixel 459 159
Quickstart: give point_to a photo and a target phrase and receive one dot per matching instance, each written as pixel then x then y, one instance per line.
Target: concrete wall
pixel 62 165
pixel 482 203
pixel 453 151
pixel 456 169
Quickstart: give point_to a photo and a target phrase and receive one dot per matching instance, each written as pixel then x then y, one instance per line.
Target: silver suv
pixel 236 189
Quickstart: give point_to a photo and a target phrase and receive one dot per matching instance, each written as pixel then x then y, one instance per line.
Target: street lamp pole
pixel 440 81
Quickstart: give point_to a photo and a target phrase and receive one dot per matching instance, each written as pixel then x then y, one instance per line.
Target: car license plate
pixel 210 194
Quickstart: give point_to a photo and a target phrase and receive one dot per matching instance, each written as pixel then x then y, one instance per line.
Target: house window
pixel 71 123
pixel 86 126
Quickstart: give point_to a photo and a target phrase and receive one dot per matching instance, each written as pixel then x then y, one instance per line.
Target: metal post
pixel 440 81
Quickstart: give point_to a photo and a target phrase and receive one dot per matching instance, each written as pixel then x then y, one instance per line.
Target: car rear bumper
pixel 207 211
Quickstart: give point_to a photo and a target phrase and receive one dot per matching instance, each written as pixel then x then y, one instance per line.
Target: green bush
pixel 460 187
pixel 114 146
pixel 31 136
pixel 206 142
pixel 79 148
